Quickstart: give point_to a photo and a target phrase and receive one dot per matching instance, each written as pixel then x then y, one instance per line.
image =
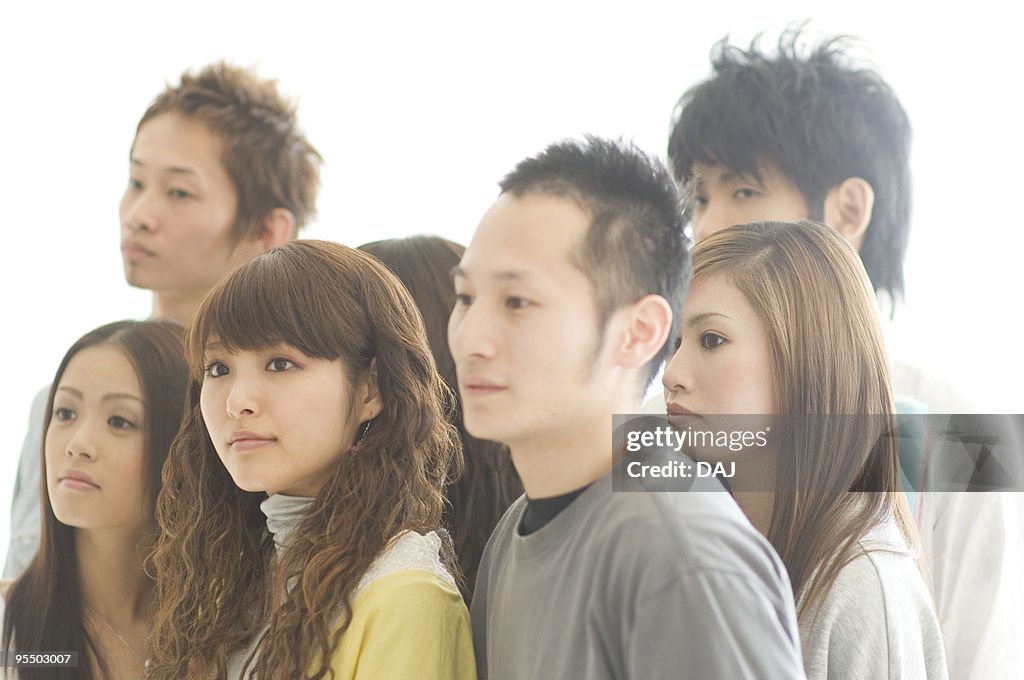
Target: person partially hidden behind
pixel 218 173
pixel 810 134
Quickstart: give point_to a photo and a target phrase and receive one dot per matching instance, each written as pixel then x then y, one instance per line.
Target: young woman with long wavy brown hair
pixel 780 325
pixel 489 483
pixel 303 492
pixel 114 407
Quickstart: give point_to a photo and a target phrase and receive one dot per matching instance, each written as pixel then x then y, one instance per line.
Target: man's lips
pixel 133 251
pixel 247 441
pixel 480 387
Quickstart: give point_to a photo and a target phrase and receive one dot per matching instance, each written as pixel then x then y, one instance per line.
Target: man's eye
pixel 134 184
pixel 64 414
pixel 179 193
pixel 746 192
pixel 215 369
pixel 700 201
pixel 514 302
pixel 119 423
pixel 278 364
pixel 711 340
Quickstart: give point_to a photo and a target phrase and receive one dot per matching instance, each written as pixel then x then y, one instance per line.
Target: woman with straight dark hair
pixel 780 324
pixel 302 497
pixel 479 497
pixel 114 407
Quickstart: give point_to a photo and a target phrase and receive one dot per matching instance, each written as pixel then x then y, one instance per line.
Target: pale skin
pixel 177 213
pixel 96 430
pixel 534 371
pixel 724 198
pixel 722 367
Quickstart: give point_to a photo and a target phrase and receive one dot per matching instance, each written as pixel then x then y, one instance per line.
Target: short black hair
pixel 820 119
pixel 636 244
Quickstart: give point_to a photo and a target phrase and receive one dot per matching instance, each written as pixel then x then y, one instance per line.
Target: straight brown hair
pixel 835 483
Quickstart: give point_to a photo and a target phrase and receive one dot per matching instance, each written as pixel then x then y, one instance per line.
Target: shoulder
pixel 877 614
pixel 410 623
pixel 934 391
pixel 408 552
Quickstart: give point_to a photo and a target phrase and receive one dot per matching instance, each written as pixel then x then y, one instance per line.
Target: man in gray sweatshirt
pixel 563 315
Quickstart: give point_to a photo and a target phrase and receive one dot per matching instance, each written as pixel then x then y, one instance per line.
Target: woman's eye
pixel 134 184
pixel 711 340
pixel 700 200
pixel 215 369
pixel 63 414
pixel 278 364
pixel 463 300
pixel 745 192
pixel 514 302
pixel 179 193
pixel 119 423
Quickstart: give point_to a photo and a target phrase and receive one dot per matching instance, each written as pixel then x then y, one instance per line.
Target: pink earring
pixel 362 435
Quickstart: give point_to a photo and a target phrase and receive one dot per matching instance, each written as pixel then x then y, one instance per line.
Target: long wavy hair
pixel 218 582
pixel 828 357
pixel 489 483
pixel 44 604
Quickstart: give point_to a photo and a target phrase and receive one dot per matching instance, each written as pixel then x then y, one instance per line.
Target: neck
pixel 569 458
pixel 111 576
pixel 174 305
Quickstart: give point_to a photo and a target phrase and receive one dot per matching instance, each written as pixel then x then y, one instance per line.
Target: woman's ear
pixel 848 207
pixel 367 396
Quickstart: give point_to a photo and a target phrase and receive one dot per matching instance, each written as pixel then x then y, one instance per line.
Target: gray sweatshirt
pixel 634 585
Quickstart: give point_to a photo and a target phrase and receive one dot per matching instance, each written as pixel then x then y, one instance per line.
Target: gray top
pixel 634 585
pixel 877 621
pixel 26 507
pixel 284 514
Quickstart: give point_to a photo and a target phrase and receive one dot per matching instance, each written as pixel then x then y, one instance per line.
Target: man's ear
pixel 647 323
pixel 848 209
pixel 278 229
pixel 368 402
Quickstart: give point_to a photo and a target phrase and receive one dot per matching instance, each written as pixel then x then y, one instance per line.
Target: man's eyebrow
pixel 697 318
pixel 733 176
pixel 173 170
pixel 506 275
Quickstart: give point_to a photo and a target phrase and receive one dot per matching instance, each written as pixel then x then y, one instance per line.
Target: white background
pixel 419 108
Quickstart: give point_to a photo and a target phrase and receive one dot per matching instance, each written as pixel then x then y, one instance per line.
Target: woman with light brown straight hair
pixel 304 490
pixel 780 324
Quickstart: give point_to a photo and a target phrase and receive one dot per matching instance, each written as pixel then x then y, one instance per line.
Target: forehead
pixel 533 235
pixel 715 293
pixel 101 369
pixel 171 141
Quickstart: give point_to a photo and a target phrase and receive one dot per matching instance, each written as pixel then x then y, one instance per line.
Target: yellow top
pixel 407 625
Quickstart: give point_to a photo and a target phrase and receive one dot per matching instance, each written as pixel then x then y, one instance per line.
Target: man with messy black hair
pixel 809 134
pixel 831 138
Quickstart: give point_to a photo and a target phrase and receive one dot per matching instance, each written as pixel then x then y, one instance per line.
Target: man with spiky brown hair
pixel 219 172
